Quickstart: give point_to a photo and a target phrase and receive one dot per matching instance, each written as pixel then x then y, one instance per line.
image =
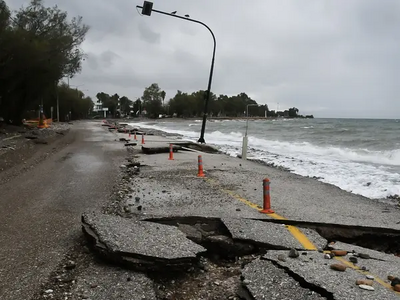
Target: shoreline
pixel 393 200
pixel 141 119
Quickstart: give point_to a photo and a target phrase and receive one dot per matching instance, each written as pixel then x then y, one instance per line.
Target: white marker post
pixel 245 138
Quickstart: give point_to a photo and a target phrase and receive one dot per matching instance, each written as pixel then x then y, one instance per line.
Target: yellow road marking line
pixel 300 236
pixel 297 234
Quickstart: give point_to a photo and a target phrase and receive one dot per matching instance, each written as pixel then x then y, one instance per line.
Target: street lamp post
pixel 245 138
pixel 147 8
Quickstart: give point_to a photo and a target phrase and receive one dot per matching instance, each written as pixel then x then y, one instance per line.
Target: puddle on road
pixel 86 163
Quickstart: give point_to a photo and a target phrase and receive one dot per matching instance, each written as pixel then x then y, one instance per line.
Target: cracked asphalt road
pixel 40 209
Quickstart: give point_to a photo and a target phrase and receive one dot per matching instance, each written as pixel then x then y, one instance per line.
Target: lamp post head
pixel 147 8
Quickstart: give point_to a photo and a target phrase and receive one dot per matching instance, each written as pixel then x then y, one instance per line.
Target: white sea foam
pixel 360 171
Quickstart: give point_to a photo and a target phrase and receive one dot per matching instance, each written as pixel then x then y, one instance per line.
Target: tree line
pixel 192 105
pixel 39 46
pixel 186 105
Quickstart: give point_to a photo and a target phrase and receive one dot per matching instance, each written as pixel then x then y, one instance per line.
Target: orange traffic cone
pixel 200 163
pixel 135 136
pixel 171 152
pixel 142 138
pixel 267 198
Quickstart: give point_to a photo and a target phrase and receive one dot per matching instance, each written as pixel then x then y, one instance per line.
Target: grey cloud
pixel 147 34
pixel 92 61
pixel 329 58
pixel 108 57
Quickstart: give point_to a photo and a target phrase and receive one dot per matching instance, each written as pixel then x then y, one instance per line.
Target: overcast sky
pixel 338 58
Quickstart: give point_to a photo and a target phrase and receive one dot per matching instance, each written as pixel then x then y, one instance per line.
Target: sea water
pixel 359 156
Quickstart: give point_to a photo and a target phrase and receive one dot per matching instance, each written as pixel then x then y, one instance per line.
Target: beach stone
pixel 397 287
pixel 370 277
pixel 339 252
pixel 338 267
pixel 364 255
pixel 293 253
pixel 70 265
pixel 395 281
pixel 364 282
pixel 246 282
pixel 353 259
pixel 366 287
pixel 282 257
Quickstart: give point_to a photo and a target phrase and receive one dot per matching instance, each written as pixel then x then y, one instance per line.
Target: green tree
pixel 293 112
pixel 110 102
pixel 180 104
pixel 152 100
pixel 137 106
pixel 72 104
pixel 39 46
pixel 163 94
pixel 125 105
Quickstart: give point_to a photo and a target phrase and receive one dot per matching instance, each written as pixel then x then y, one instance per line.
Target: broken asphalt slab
pixel 157 147
pixel 264 281
pixel 314 270
pixel 140 244
pixel 269 234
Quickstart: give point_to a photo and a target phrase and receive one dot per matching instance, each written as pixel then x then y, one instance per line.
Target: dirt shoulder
pixel 23 148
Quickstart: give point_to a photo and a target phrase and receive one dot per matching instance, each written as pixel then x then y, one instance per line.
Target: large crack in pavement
pixel 302 282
